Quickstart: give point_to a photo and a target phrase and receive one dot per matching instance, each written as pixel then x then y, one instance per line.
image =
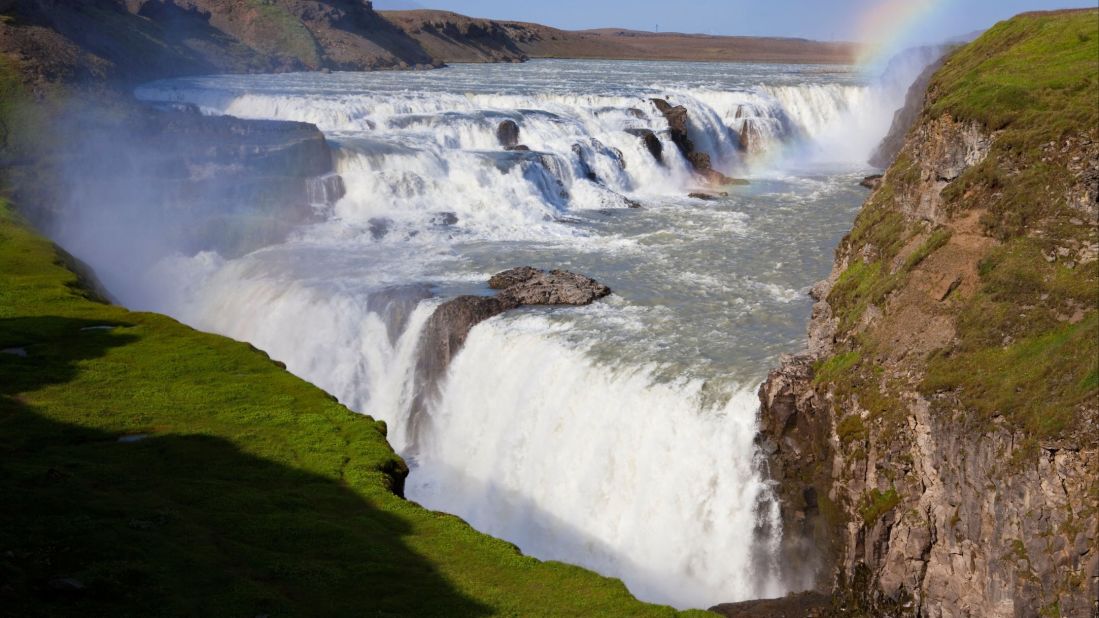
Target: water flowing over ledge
pixel 616 436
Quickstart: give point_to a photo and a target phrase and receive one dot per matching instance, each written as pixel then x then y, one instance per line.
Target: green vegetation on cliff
pixel 1002 277
pixel 149 469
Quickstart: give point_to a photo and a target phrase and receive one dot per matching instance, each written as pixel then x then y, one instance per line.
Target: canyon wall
pixel 936 445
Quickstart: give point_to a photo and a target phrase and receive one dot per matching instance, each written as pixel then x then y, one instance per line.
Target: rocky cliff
pixel 136 40
pixel 936 447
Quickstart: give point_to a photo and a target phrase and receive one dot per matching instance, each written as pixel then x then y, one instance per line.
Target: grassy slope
pixel 255 493
pixel 1035 80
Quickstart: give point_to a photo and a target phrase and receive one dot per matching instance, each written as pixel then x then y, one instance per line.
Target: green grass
pixel 878 503
pixel 1025 72
pixel 835 366
pixel 851 430
pixel 1037 382
pixel 254 492
pixel 279 33
pixel 1026 340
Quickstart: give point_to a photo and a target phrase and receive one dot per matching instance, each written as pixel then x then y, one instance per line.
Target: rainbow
pixel 888 22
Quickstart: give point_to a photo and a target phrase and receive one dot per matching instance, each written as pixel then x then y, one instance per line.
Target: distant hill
pixel 451 37
pixel 137 40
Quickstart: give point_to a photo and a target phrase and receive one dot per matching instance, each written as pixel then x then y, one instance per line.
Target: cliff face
pixel 937 445
pixel 136 40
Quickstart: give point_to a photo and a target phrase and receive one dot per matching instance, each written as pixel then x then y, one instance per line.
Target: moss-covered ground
pixel 148 469
pixel 1027 343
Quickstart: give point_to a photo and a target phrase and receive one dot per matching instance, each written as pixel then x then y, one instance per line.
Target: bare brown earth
pixel 451 37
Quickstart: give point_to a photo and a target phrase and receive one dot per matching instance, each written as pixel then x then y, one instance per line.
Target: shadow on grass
pixel 179 524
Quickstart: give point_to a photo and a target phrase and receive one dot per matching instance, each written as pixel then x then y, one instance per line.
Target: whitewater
pixel 618 436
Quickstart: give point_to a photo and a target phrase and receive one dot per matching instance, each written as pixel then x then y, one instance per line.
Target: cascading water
pixel 617 436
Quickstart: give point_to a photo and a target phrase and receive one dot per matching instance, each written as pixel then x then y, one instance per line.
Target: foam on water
pixel 617 436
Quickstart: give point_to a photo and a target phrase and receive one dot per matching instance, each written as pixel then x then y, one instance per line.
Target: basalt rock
pixel 556 287
pixel 906 501
pixel 448 327
pixel 651 141
pixel 800 605
pixel 198 182
pixel 507 133
pixel 679 124
pixel 871 182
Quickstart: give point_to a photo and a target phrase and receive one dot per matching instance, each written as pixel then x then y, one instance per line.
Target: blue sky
pixel 816 19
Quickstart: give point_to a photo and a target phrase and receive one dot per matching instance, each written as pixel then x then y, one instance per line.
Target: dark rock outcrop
pixel 651 141
pixel 708 196
pixel 507 133
pixel 449 326
pixel 679 125
pixel 872 181
pixel 138 40
pixel 800 605
pixel 171 180
pixel 528 286
pixel 752 139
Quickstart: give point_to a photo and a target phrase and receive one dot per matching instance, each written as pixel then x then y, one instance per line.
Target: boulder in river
pixel 529 286
pixel 678 122
pixel 507 133
pixel 449 326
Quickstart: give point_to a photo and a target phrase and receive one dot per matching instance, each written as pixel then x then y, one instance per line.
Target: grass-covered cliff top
pixel 983 299
pixel 149 469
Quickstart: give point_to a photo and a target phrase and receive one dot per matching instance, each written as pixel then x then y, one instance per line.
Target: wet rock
pixel 444 219
pixel 379 228
pixel 556 287
pixel 585 167
pixel 519 148
pixel 752 138
pixel 651 141
pixel 507 133
pixel 449 326
pixel 799 605
pixel 708 196
pixel 871 182
pixel 514 276
pixel 678 122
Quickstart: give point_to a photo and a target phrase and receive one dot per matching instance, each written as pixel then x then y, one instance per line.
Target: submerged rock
pixel 708 196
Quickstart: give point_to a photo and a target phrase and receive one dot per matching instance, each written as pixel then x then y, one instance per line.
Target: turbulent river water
pixel 617 436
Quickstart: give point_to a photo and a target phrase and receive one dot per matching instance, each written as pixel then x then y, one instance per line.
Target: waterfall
pixel 619 436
